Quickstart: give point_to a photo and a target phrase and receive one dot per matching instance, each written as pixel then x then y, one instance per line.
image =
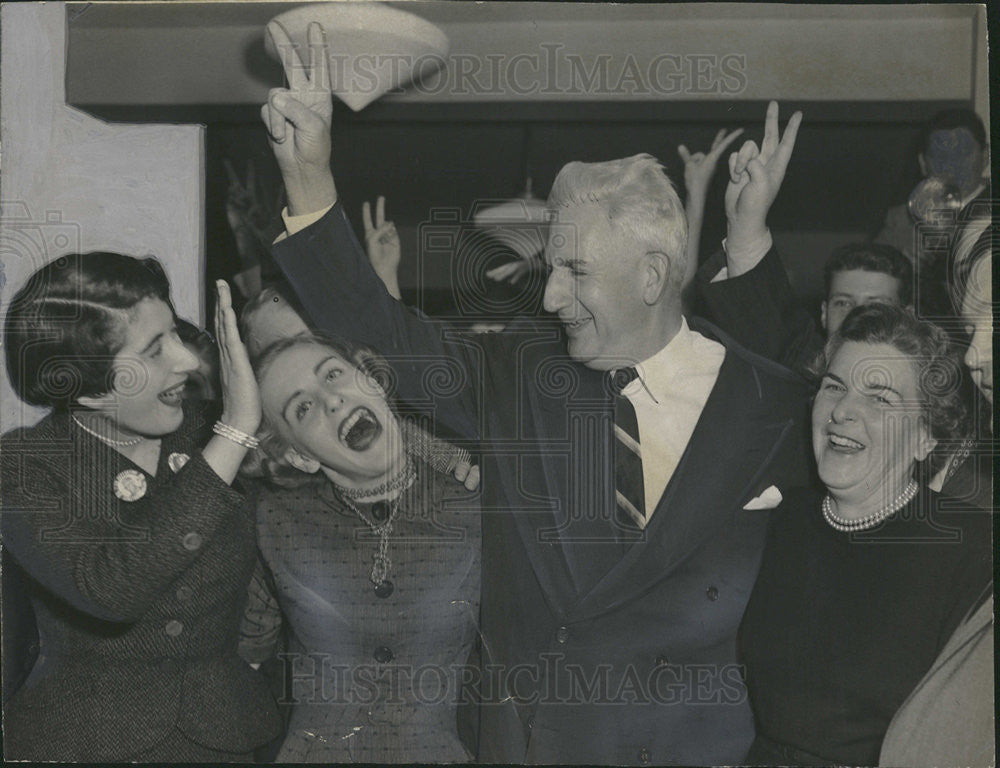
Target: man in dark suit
pixel 623 515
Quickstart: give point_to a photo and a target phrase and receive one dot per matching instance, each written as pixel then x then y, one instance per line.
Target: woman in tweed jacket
pixel 137 548
pixel 375 564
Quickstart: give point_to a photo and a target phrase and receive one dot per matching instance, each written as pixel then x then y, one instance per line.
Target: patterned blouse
pixel 370 677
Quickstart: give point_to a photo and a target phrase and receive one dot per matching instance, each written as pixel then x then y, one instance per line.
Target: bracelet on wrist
pixel 235 435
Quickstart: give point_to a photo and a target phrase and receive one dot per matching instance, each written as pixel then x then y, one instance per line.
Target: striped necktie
pixel 629 492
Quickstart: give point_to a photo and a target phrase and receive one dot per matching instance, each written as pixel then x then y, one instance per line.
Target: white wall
pixel 70 182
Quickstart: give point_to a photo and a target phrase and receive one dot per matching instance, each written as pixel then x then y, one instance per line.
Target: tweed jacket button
pixel 562 634
pixel 383 655
pixel 712 593
pixel 173 628
pixel 644 756
pixel 531 721
pixel 192 541
pixel 184 592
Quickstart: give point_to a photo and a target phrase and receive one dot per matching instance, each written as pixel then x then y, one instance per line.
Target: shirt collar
pixel 658 372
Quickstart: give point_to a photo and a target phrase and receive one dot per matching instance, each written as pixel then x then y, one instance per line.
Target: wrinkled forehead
pixel 876 366
pixel 577 232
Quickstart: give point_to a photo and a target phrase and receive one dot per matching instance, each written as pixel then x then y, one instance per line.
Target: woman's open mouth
pixel 174 395
pixel 844 444
pixel 360 429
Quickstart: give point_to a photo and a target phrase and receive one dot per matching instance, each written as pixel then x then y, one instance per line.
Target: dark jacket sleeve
pixel 437 369
pixel 760 311
pixel 106 557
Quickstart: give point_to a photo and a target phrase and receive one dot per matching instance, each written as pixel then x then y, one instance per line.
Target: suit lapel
pixel 732 442
pixel 574 545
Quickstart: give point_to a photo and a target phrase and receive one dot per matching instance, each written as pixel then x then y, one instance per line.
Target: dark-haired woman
pixel 864 581
pixel 137 548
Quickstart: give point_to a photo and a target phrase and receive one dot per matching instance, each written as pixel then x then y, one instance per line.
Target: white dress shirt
pixel 668 397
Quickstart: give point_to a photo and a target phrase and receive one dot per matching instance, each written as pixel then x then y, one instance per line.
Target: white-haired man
pixel 627 457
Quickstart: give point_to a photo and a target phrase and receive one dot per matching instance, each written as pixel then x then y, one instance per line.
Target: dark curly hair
pixel 936 362
pixel 67 323
pixel 871 257
pixel 268 460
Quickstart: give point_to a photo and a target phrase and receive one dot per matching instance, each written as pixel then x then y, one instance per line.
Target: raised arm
pixel 745 289
pixel 755 176
pixel 699 167
pixel 437 370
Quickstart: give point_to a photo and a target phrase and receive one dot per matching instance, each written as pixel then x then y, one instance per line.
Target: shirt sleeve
pixel 294 224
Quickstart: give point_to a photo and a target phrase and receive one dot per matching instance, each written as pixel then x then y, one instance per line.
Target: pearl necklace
pixel 107 440
pixel 849 526
pixel 399 482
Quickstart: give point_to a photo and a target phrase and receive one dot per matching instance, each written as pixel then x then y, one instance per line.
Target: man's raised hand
pixel 755 176
pixel 298 121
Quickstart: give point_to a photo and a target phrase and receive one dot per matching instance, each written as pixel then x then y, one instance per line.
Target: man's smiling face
pixel 594 286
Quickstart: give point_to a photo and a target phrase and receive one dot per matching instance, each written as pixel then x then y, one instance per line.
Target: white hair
pixel 639 199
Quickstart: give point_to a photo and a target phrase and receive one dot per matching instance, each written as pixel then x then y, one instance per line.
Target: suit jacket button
pixel 644 756
pixel 662 661
pixel 184 592
pixel 531 721
pixel 562 634
pixel 191 541
pixel 383 655
pixel 173 628
pixel 712 593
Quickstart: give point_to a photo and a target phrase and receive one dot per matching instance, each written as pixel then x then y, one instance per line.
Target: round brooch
pixel 176 461
pixel 130 485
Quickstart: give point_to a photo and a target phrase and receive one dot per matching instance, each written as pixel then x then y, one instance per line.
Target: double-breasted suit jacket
pixel 597 648
pixel 138 585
